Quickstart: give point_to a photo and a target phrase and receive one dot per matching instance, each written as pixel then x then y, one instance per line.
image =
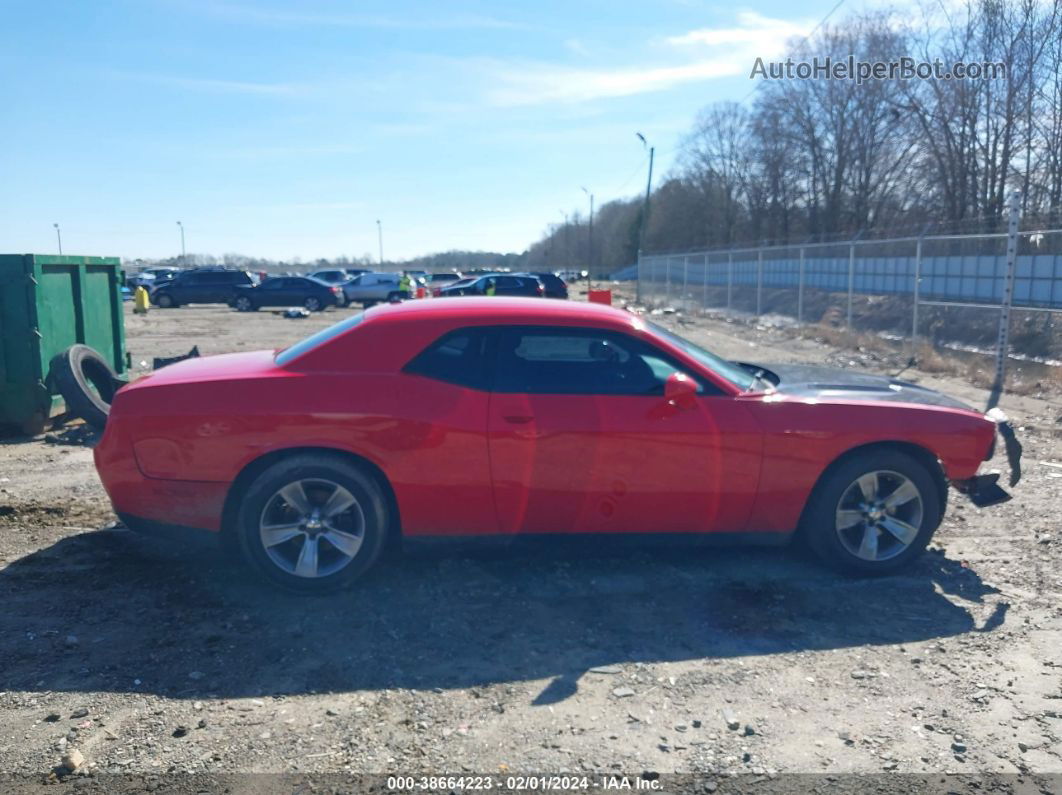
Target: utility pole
pixel 567 247
pixel 590 240
pixel 648 188
pixel 59 237
pixel 181 226
pixel 1003 343
pixel 379 235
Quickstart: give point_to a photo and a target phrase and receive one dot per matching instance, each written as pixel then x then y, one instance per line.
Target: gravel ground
pixel 156 661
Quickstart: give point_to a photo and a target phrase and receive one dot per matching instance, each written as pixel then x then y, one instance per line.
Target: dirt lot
pixel 157 660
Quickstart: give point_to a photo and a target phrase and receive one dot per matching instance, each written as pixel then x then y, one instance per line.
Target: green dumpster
pixel 47 304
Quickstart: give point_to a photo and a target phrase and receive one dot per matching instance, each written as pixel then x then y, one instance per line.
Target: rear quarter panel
pixel 802 438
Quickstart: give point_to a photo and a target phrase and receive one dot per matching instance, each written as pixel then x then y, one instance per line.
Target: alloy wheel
pixel 879 515
pixel 313 304
pixel 312 527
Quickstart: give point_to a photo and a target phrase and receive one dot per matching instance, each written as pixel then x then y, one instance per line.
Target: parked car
pixel 356 271
pixel 202 286
pixel 436 281
pixel 514 417
pixel 337 278
pixel 553 284
pixel 371 288
pixel 162 279
pixel 151 277
pixel 305 291
pixel 504 284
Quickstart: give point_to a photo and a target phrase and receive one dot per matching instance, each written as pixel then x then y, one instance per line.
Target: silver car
pixel 373 287
pixel 336 277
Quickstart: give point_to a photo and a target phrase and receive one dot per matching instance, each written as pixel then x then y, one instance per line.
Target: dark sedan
pixel 553 284
pixel 305 291
pixel 497 284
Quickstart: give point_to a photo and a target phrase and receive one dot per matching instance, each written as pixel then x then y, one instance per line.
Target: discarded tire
pixel 86 382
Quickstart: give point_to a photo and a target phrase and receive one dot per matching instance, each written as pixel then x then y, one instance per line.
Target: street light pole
pixel 181 227
pixel 379 234
pixel 648 188
pixel 59 237
pixel 590 240
pixel 567 248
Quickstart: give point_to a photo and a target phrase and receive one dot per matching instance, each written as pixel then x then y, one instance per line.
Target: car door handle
pixel 518 419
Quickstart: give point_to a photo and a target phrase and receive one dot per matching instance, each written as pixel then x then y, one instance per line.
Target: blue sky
pixel 286 129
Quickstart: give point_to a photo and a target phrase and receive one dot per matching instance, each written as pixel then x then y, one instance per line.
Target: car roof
pixel 501 309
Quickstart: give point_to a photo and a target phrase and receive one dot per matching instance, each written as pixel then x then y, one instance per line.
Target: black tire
pixel 313 304
pixel 395 296
pixel 819 525
pixel 165 301
pixel 244 304
pixel 262 498
pixel 75 372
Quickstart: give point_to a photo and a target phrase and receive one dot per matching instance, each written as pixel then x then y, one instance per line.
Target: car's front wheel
pixel 873 513
pixel 313 523
pixel 165 301
pixel 245 304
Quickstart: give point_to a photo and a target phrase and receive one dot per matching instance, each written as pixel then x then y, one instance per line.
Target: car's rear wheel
pixel 165 301
pixel 244 304
pixel 313 523
pixel 313 304
pixel 873 513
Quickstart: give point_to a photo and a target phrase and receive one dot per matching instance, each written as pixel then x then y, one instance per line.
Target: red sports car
pixel 517 417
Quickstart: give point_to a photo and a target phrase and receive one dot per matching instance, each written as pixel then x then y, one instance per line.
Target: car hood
pixel 808 380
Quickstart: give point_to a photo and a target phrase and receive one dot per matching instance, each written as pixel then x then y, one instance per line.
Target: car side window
pixel 459 357
pixel 580 362
pixel 272 284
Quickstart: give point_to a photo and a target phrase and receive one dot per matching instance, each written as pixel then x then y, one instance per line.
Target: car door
pixel 272 292
pixel 190 290
pixel 444 483
pixel 582 440
pixel 507 285
pixel 297 290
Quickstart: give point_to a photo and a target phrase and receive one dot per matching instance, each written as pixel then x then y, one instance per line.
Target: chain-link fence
pixel 944 290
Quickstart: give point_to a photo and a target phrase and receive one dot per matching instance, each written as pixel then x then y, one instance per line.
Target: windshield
pixel 321 337
pixel 735 374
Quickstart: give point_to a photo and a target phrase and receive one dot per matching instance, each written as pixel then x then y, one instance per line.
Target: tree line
pixel 820 159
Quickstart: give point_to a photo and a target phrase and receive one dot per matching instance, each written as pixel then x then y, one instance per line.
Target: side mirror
pixel 681 391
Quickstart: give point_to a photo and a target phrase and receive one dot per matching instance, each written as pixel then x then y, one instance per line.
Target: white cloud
pixel 300 16
pixel 731 51
pixel 576 47
pixel 214 85
pixel 764 33
pixel 535 85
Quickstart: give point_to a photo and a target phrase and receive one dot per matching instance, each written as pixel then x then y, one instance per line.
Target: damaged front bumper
pixel 984 490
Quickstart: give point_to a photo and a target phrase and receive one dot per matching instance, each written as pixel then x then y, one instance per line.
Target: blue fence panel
pixel 945 275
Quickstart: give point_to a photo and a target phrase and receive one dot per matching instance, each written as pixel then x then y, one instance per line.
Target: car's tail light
pixel 541 290
pixel 336 290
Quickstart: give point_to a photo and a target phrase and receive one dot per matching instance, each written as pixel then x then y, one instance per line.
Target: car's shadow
pixel 183 622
